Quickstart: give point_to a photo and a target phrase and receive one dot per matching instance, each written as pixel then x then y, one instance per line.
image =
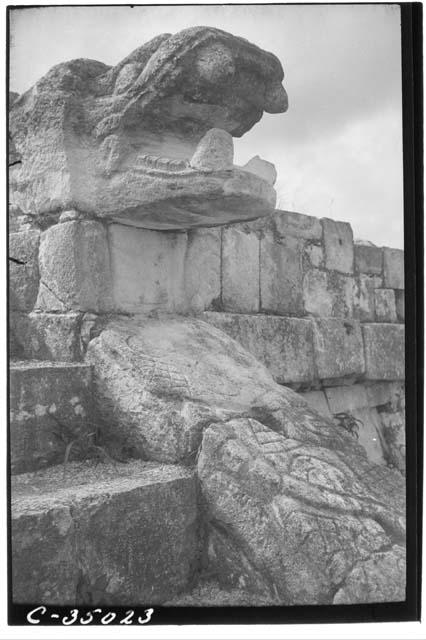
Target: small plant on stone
pixel 348 422
pixel 86 445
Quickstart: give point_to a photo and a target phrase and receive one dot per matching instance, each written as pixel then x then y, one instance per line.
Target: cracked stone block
pixel 240 271
pixel 368 259
pixel 364 308
pixel 400 304
pixel 384 351
pixel 393 268
pixel 290 223
pixel 47 336
pixel 147 269
pixel 283 345
pixel 294 521
pixel 103 535
pixel 385 305
pixel 328 293
pixel 318 402
pixel 202 269
pixel 353 401
pixel 49 407
pixel 338 348
pixel 281 274
pixel 23 269
pixel 338 245
pixel 74 268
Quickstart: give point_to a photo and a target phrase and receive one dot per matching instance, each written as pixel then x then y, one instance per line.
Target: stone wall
pixel 325 314
pixel 341 303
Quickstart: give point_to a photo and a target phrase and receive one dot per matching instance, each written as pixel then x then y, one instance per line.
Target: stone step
pixel 49 408
pixel 122 534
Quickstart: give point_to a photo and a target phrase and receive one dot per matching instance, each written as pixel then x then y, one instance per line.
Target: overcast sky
pixel 337 150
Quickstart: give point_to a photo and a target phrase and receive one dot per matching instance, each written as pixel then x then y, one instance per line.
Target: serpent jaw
pixel 142 141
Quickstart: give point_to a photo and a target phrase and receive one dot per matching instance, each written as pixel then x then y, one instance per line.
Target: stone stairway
pixel 94 530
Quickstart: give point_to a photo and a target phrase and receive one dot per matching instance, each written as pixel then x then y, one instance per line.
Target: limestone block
pixel 364 297
pixel 393 268
pixel 318 300
pixel 314 254
pixel 23 269
pixel 74 268
pixel 159 381
pixel 240 271
pixel 384 351
pixel 297 224
pixel 47 336
pixel 292 521
pixel 368 259
pixel 400 304
pixel 283 345
pixel 49 407
pixel 338 244
pixel 147 269
pixel 342 291
pixel 386 393
pixel 328 293
pixel 318 402
pixel 103 535
pixel 352 401
pixel 385 305
pixel 202 269
pixel 338 348
pixel 281 274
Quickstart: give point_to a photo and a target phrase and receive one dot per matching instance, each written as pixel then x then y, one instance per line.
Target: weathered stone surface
pixel 400 304
pixel 46 336
pixel 350 403
pixel 147 269
pixel 389 400
pixel 364 308
pixel 338 348
pixel 315 255
pixel 384 351
pixel 116 141
pixel 392 417
pixel 317 298
pixel 202 269
pixel 368 259
pixel 393 268
pixel 338 244
pixel 215 152
pixel 74 268
pixel 23 269
pixel 385 305
pixel 262 168
pixel 240 270
pixel 297 224
pixel 387 568
pixel 281 273
pixel 49 407
pixel 103 536
pixel 296 522
pixel 318 402
pixel 283 345
pixel 159 382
